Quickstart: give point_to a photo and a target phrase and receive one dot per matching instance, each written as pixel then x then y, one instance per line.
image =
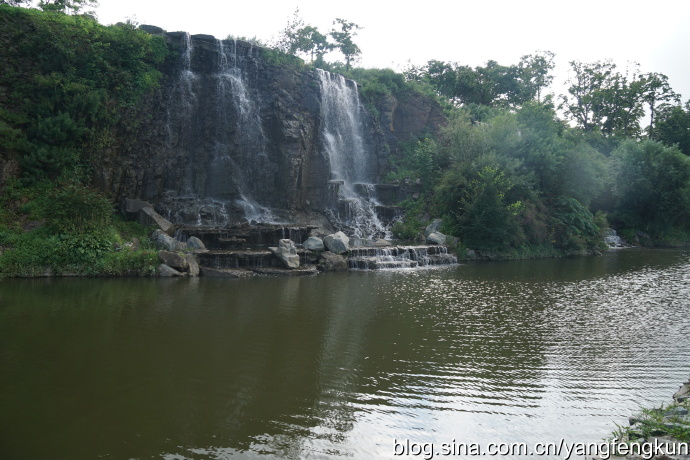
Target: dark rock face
pixel 227 136
pixel 230 137
pixel 405 119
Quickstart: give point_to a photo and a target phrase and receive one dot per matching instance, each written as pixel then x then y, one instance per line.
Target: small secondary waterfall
pixel 352 162
pixel 400 257
pixel 215 125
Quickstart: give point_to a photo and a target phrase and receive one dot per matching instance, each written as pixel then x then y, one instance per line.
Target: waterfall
pixel 234 93
pixel 352 162
pixel 215 133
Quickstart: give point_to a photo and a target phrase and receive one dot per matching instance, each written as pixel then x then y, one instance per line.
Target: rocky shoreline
pixel 243 251
pixel 661 433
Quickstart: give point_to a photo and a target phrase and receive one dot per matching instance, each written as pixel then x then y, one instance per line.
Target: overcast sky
pixel 656 34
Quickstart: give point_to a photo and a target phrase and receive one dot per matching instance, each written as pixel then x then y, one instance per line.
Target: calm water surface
pixel 339 365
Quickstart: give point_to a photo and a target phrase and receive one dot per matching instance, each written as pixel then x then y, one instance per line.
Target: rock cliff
pixel 233 135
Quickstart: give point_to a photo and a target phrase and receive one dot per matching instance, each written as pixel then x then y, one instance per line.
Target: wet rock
pixel 286 252
pixel 277 271
pixel 195 243
pixel 225 272
pixel 167 271
pixel 314 243
pixel 173 259
pixel 676 412
pixel 683 393
pixel 330 262
pixel 192 265
pixel 337 243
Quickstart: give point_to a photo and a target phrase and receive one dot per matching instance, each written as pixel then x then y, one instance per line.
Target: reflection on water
pixel 339 365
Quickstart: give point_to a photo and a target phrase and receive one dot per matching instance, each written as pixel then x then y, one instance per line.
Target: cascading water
pixel 352 163
pixel 400 257
pixel 233 93
pixel 214 124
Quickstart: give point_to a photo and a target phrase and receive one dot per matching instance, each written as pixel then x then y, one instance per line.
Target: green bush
pixel 72 79
pixel 129 263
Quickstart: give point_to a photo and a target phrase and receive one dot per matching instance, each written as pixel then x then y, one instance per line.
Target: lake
pixel 340 365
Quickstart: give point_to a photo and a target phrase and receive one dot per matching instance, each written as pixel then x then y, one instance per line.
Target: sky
pixel 654 34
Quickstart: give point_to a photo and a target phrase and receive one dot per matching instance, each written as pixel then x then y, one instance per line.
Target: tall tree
pixel 287 38
pixel 343 40
pixel 657 91
pixel 621 104
pixel 312 42
pixel 583 104
pixel 534 70
pixel 298 37
pixel 673 126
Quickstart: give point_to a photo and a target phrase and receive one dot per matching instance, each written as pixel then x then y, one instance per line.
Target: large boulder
pixel 286 252
pixel 173 259
pixel 337 243
pixel 167 271
pixel 436 238
pixel 193 265
pixel 164 241
pixel 130 207
pixel 148 217
pixel 433 227
pixel 195 243
pixel 314 244
pixel 330 262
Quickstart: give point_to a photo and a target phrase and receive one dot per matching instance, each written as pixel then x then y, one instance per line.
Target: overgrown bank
pixel 662 432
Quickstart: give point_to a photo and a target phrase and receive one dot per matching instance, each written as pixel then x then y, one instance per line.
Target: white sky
pixel 655 34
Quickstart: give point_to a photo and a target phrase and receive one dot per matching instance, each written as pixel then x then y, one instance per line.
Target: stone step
pixel 237 259
pixel 226 272
pixel 244 236
pixel 373 263
pixel 307 270
pixel 399 257
pixel 396 251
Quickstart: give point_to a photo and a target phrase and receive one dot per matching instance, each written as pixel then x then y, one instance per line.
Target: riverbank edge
pixel 150 262
pixel 667 426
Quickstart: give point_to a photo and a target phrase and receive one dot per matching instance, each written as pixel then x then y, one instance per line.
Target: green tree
pixel 651 186
pixel 298 37
pixel 67 6
pixel 534 70
pixel 673 126
pixel 657 92
pixel 343 40
pixel 584 101
pixel 621 103
pixel 312 42
pixel 486 219
pixel 287 38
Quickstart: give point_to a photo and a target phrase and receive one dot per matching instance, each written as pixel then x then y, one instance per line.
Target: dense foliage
pixel 64 104
pixel 509 175
pixel 57 110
